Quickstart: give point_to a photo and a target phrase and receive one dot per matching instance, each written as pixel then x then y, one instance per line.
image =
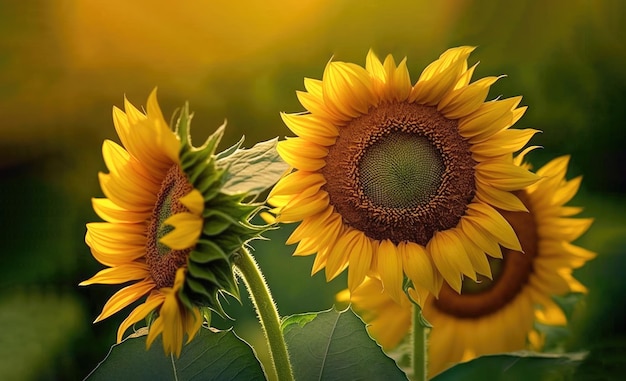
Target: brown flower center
pixel 162 260
pixel 510 274
pixel 400 172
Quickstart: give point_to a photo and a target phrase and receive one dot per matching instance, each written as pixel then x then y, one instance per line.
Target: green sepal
pixel 226 227
pixel 207 251
pixel 200 171
pixel 216 225
pixel 232 206
pixel 210 214
pixel 210 184
pixel 208 300
pixel 199 271
pixel 182 128
pixel 229 151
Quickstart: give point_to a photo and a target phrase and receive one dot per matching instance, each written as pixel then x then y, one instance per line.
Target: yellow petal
pixel 548 312
pixel 148 139
pixel 310 226
pixel 555 167
pixel 567 229
pixel 194 201
pixel 490 118
pixel 122 125
pixel 192 323
pixel 314 87
pixel 375 67
pixel 450 258
pixel 465 78
pixel 119 274
pixel 480 238
pixel 125 194
pixel 302 154
pixel 504 176
pixel 111 212
pixel 417 265
pixel 316 106
pixel 348 89
pixel 440 76
pixel 476 255
pixel 519 159
pixel 339 253
pixel 398 81
pixel 566 192
pixel 125 297
pixel 302 207
pixel 134 115
pixel 119 234
pixel 390 269
pixel 320 260
pixel 324 237
pixel 156 328
pixel 187 229
pixel 492 222
pixel 298 182
pixel 504 142
pixel 568 211
pixel 360 258
pixel 498 198
pixel 466 100
pixel 141 311
pixel 111 252
pixel 311 128
pixel 171 311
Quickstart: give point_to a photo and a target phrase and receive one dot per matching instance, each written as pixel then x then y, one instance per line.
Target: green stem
pixel 420 348
pixel 268 315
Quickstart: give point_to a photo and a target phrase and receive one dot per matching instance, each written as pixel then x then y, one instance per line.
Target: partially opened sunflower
pixel 497 315
pixel 393 178
pixel 170 229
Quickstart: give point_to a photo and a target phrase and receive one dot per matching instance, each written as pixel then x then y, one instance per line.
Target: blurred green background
pixel 64 64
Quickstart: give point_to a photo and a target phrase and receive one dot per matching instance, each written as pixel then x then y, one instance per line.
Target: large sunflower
pixel 497 315
pixel 396 178
pixel 170 230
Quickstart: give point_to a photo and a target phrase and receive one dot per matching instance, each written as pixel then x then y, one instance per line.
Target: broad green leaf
pixel 334 345
pixel 517 366
pixel 251 171
pixel 211 355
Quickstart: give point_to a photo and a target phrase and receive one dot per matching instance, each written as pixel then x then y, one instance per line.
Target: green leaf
pixel 334 345
pixel 251 171
pixel 516 366
pixel 211 355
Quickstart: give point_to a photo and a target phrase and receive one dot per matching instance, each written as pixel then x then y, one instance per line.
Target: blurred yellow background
pixel 64 64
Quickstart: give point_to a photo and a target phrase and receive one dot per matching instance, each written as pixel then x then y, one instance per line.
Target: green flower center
pixel 510 274
pixel 401 170
pixel 162 260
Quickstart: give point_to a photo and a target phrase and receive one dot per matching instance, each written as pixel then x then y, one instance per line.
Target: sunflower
pixel 398 179
pixel 492 316
pixel 170 229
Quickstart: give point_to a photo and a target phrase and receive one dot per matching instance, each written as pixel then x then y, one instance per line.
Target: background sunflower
pixel 65 63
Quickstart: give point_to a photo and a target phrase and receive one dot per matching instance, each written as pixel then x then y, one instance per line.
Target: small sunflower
pixel 170 229
pixel 393 178
pixel 492 316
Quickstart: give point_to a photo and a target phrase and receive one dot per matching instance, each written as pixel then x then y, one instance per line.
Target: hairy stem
pixel 268 315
